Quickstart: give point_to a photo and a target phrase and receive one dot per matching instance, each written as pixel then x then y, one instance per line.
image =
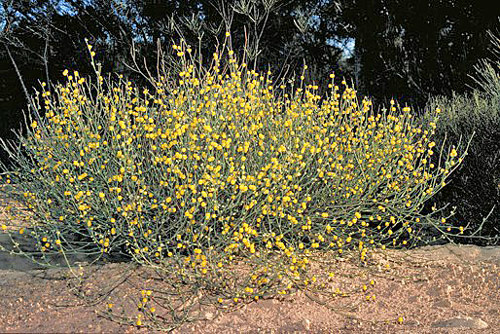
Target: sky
pixel 61 6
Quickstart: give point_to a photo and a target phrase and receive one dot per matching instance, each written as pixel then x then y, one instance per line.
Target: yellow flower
pixel 82 176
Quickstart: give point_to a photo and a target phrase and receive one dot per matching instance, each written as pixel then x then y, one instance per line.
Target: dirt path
pixel 436 289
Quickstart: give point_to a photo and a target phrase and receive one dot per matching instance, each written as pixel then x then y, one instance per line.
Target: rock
pixel 307 324
pixel 209 316
pixel 462 322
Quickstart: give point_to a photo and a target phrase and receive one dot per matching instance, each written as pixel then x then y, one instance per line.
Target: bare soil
pixel 438 289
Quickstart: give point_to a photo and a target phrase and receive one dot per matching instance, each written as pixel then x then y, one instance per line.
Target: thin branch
pixel 20 77
pixel 46 56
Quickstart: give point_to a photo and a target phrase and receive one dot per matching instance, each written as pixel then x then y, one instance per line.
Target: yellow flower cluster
pixel 224 165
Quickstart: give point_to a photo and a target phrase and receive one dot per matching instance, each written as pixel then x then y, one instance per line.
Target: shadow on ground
pixel 24 263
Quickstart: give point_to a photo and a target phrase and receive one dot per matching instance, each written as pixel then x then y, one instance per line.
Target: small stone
pixel 209 316
pixel 465 322
pixel 307 324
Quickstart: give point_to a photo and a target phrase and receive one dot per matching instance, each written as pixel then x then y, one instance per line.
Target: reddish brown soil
pixel 439 289
pixel 423 286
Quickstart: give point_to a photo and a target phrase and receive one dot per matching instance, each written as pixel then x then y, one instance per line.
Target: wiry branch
pixel 19 76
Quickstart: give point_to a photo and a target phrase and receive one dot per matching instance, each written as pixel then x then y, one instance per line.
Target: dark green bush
pixel 474 189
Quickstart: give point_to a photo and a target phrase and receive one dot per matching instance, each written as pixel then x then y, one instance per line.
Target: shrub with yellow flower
pixel 216 167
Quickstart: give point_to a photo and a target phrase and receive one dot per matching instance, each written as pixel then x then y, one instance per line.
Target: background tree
pixel 411 50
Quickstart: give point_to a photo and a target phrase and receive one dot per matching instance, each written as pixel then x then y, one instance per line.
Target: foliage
pixel 413 50
pixel 475 188
pixel 45 37
pixel 217 167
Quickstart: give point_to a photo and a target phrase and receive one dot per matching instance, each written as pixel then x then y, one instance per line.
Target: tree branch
pixel 20 77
